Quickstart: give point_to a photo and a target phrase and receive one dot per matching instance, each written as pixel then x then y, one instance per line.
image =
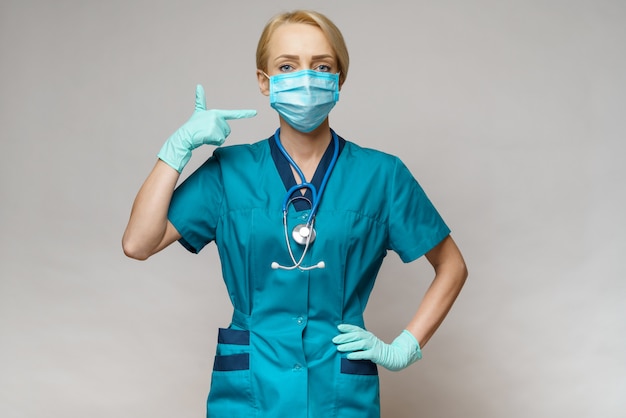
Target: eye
pixel 323 68
pixel 285 68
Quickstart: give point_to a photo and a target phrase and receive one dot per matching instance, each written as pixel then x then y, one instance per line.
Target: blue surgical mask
pixel 304 98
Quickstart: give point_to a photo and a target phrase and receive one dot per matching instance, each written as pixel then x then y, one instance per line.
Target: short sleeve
pixel 415 226
pixel 195 206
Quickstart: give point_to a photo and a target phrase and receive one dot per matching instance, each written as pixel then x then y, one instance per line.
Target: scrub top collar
pixel 286 175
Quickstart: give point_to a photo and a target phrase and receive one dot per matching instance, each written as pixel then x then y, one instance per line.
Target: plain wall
pixel 509 113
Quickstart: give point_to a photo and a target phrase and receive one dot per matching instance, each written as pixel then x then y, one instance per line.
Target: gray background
pixel 510 114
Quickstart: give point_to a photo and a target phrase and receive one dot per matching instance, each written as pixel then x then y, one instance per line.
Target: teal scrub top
pixel 276 358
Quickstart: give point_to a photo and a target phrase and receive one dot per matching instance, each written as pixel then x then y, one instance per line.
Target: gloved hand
pixel 364 345
pixel 204 127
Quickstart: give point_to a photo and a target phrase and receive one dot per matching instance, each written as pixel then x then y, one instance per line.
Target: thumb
pixel 236 114
pixel 200 98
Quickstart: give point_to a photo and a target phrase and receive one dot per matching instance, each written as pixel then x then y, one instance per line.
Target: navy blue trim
pixel 286 175
pixel 362 367
pixel 233 336
pixel 232 362
pixel 187 245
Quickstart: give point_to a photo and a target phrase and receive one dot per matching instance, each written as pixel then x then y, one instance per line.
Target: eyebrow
pixel 296 57
pixel 317 57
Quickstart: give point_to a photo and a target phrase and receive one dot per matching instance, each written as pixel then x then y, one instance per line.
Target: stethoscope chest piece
pixel 302 233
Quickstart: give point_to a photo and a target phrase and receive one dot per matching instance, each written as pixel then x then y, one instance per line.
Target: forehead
pixel 299 39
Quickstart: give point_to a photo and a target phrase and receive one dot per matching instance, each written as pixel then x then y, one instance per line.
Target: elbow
pixel 455 269
pixel 457 272
pixel 461 272
pixel 464 272
pixel 133 250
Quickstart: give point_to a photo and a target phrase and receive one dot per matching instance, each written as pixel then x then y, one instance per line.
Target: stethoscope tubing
pixel 316 196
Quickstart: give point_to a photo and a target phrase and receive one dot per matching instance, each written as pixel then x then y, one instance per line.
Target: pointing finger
pixel 236 114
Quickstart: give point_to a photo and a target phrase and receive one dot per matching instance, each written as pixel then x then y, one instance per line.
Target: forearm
pixel 148 230
pixel 450 275
pixel 148 223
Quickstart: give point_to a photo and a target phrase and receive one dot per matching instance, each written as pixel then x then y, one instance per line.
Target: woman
pixel 302 221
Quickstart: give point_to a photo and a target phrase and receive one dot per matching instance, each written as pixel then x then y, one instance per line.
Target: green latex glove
pixel 204 127
pixel 363 345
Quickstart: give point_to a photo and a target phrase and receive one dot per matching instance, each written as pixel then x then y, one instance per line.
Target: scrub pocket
pixel 231 389
pixel 358 393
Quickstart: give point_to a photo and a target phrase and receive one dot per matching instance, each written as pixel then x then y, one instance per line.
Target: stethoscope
pixel 304 233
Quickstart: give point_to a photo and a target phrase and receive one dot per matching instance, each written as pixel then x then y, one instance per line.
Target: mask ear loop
pixel 271 85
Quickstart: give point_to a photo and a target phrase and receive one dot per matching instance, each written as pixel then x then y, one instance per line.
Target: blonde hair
pixel 332 33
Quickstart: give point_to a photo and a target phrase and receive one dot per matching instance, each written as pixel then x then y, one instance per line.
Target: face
pixel 295 47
